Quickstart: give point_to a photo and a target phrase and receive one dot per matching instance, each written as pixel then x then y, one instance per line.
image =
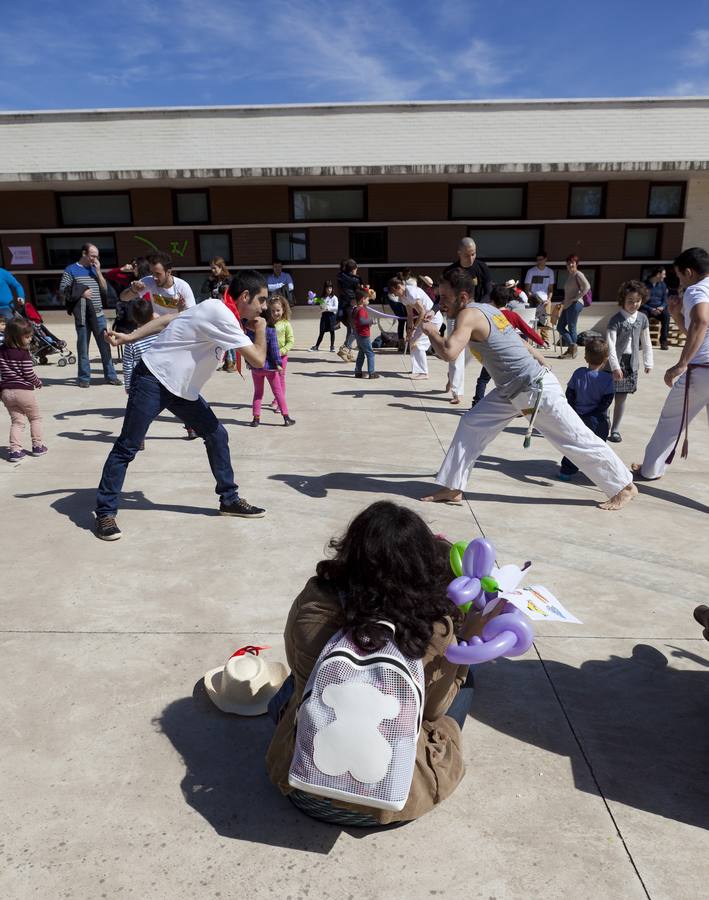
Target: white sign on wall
pixel 21 256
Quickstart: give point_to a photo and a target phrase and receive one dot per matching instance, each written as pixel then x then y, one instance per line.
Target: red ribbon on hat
pixel 231 305
pixel 250 648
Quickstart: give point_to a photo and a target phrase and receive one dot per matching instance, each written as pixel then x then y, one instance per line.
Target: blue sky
pixel 213 52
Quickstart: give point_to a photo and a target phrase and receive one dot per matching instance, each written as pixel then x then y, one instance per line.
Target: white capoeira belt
pixel 684 424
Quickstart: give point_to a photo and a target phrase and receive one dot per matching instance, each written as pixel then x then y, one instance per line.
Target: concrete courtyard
pixel 587 759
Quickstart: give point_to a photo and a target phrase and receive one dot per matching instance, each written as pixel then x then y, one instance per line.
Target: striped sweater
pixel 16 370
pixel 132 354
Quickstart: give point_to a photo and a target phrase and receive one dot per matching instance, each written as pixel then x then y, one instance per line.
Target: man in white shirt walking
pixel 539 287
pixel 689 377
pixel 171 375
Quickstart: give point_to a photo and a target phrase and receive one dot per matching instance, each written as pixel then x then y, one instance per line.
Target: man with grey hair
pixel 476 268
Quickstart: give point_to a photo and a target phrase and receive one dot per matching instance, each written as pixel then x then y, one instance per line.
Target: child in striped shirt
pixel 140 312
pixel 18 386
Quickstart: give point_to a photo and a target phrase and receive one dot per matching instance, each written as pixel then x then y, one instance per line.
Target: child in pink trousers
pixel 18 386
pixel 271 372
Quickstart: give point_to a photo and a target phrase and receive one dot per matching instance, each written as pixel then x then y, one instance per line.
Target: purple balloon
pixel 509 634
pixel 479 558
pixel 463 590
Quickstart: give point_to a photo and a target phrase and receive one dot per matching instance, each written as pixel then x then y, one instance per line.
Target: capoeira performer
pixel 418 305
pixel 522 385
pixel 689 378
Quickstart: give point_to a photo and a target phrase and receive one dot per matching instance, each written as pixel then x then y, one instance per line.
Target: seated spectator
pixel 657 305
pixel 388 565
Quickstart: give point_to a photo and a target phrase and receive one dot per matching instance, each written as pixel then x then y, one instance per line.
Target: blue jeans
pixel 95 325
pixel 568 320
pixel 147 399
pixel 364 344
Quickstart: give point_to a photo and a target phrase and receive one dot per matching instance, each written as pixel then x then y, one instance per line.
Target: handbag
pixel 588 296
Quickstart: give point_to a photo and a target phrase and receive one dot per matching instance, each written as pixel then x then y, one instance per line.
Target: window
pixel 45 292
pixel 586 201
pixel 507 243
pixel 290 246
pixel 191 207
pixel 63 250
pixel 487 202
pixel 198 282
pixel 666 200
pixel 641 242
pixel 95 209
pixel 325 205
pixel 501 274
pixel 213 243
pixel 368 245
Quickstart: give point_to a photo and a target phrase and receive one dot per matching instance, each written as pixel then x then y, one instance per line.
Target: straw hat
pixel 246 683
pixel 510 283
pixel 427 280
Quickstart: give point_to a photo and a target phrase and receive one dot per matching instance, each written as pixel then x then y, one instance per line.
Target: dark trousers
pixel 481 385
pixel 399 310
pixel 327 324
pixel 599 426
pixel 652 312
pixel 147 399
pixel 460 707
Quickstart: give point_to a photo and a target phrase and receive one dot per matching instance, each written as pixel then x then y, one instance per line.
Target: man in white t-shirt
pixel 166 291
pixel 689 378
pixel 418 304
pixel 539 287
pixel 171 375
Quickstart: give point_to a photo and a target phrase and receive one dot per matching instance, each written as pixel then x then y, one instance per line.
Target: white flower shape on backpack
pixel 353 742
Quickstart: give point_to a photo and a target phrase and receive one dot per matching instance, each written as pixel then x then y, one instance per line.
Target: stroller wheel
pixel 72 359
pixel 61 361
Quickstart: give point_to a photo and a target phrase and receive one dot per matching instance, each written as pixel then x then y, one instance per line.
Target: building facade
pixel 391 185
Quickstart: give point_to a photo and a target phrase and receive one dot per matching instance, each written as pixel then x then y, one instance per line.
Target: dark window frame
pixel 319 190
pixel 582 184
pixel 60 215
pixel 88 237
pixel 595 287
pixel 513 184
pixel 683 199
pixel 474 232
pixel 370 228
pixel 175 217
pixel 656 249
pixel 201 261
pixel 274 246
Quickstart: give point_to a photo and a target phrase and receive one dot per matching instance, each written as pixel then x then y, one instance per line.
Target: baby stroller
pixel 388 338
pixel 44 343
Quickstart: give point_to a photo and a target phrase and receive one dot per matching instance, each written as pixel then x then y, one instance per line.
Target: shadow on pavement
pixel 386 483
pixel 226 782
pixel 642 725
pixel 78 504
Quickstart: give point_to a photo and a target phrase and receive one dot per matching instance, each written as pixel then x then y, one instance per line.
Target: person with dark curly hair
pixel 388 565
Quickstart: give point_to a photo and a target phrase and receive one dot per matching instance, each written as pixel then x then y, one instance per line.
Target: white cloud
pixel 697 54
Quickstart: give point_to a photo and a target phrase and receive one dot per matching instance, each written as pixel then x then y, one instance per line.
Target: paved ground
pixel 587 758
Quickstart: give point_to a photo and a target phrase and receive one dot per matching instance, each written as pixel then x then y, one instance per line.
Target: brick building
pixel 622 183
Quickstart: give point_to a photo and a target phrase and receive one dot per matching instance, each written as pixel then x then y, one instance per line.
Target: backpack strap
pixel 387 624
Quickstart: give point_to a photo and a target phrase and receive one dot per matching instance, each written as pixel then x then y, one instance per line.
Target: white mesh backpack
pixel 358 724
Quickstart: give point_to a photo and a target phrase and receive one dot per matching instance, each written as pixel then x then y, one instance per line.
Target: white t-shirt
pixel 415 295
pixel 695 294
pixel 165 299
pixel 330 303
pixel 189 350
pixel 541 281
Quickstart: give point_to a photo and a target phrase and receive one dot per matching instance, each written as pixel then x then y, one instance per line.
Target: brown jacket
pixel 315 616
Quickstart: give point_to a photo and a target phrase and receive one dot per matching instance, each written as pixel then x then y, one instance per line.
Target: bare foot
pixel 621 499
pixel 419 377
pixel 445 495
pixel 455 399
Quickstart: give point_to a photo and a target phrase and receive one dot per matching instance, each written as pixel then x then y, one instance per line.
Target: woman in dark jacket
pixel 348 281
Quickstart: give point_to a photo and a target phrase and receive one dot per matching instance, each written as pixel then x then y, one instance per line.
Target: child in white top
pixel 328 317
pixel 628 332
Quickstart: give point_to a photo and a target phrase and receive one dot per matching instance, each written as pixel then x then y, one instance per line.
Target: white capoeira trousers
pixel 556 420
pixel 456 373
pixel 667 428
pixel 418 346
